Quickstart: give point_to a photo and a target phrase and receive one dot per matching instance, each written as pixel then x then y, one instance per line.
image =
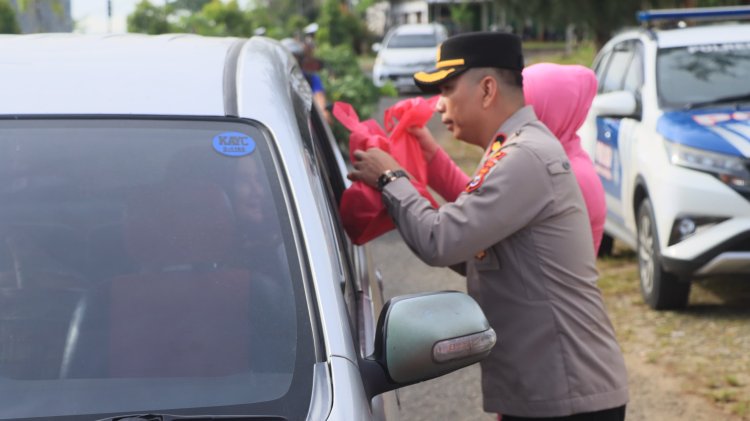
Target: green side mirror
pixel 424 336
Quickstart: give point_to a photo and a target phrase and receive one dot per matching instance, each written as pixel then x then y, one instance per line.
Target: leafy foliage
pixel 599 18
pixel 344 80
pixel 8 22
pixel 339 25
pixel 148 18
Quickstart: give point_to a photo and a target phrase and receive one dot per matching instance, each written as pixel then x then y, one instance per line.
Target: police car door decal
pixel 607 163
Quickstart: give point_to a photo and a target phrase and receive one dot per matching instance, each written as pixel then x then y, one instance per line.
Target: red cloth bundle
pixel 362 211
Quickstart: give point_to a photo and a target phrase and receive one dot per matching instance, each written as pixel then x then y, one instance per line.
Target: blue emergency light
pixel 697 13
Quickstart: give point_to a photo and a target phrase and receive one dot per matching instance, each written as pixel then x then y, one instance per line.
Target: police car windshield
pixel 702 74
pixel 412 41
pixel 147 266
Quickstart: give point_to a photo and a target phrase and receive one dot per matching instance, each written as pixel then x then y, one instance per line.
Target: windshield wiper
pixel 169 417
pixel 722 100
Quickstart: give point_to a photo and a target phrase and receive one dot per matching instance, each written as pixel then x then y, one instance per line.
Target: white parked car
pixel 669 132
pixel 171 247
pixel 405 50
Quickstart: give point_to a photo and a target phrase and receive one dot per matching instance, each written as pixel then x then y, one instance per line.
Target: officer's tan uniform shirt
pixel 556 352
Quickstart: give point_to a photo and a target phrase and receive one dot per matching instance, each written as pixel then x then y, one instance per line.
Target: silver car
pixel 171 243
pixel 405 50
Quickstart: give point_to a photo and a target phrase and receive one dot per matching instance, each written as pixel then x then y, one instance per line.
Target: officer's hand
pixel 426 141
pixel 370 164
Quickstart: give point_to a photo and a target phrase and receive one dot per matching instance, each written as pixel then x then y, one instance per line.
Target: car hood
pixel 409 56
pixel 724 130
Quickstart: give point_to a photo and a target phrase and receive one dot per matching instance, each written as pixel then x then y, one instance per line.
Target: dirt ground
pixel 692 364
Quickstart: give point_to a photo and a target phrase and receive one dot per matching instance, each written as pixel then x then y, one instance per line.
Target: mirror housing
pixel 376 47
pixel 615 104
pixel 423 336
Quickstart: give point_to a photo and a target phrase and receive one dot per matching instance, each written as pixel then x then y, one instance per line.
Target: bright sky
pixel 91 15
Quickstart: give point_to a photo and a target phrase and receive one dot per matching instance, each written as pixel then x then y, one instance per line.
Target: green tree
pixel 189 5
pixel 8 22
pixel 339 25
pixel 227 18
pixel 462 15
pixel 344 80
pixel 149 19
pixel 601 19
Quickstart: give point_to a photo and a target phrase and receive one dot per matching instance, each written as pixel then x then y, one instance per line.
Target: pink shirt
pixel 561 96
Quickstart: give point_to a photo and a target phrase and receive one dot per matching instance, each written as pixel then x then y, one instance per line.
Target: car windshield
pixel 702 73
pixel 147 266
pixel 412 41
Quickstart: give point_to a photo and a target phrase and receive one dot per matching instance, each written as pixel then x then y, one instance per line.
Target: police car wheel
pixel 661 290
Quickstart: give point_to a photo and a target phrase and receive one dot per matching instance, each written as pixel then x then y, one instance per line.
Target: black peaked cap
pixel 465 51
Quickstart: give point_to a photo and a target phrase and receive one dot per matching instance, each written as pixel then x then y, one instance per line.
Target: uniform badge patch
pixel 494 153
pixel 478 179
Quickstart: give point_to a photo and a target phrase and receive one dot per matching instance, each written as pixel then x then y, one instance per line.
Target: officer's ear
pixel 489 89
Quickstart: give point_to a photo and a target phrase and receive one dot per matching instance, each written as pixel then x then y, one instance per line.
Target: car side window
pixel 600 65
pixel 334 185
pixel 634 75
pixel 617 68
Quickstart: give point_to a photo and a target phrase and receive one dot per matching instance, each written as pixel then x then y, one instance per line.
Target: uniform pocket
pixel 529 270
pixel 559 166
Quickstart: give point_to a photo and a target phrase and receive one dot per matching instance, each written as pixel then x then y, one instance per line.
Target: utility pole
pixel 109 16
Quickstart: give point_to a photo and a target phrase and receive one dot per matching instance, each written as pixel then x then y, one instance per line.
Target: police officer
pixel 521 235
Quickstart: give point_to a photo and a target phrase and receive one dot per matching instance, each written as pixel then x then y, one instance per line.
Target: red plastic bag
pixel 362 211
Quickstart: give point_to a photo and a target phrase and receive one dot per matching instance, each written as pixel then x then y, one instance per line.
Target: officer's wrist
pixel 390 175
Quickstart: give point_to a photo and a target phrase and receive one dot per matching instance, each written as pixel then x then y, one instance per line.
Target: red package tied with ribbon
pixel 362 211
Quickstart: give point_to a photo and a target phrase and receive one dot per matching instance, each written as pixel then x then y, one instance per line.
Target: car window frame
pixel 622 46
pixel 358 287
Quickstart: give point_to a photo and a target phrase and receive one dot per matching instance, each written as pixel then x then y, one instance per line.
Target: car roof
pixel 174 74
pixel 707 34
pixel 416 28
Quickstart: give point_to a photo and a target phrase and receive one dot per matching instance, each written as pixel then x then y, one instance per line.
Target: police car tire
pixel 664 290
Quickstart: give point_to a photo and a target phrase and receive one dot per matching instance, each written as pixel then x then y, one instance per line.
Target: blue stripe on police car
pixel 723 130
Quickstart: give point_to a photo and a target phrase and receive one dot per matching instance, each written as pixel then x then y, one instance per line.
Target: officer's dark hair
pixel 507 77
pixel 510 77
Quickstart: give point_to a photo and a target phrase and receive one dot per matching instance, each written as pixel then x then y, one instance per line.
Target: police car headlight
pixel 729 169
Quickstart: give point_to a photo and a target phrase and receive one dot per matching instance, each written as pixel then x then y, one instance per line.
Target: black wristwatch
pixel 388 176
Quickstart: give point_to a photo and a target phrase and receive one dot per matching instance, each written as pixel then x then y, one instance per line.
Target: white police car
pixel 669 133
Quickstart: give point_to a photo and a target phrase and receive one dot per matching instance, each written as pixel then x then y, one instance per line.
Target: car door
pixel 620 69
pixel 361 283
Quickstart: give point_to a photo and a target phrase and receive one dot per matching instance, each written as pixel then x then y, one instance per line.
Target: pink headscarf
pixel 561 96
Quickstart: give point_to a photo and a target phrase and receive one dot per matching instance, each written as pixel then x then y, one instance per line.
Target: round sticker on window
pixel 234 144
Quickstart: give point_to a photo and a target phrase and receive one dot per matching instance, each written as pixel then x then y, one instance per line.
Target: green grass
pixel 583 55
pixel 543 45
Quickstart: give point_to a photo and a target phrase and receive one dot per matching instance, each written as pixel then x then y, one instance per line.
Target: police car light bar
pixel 697 13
